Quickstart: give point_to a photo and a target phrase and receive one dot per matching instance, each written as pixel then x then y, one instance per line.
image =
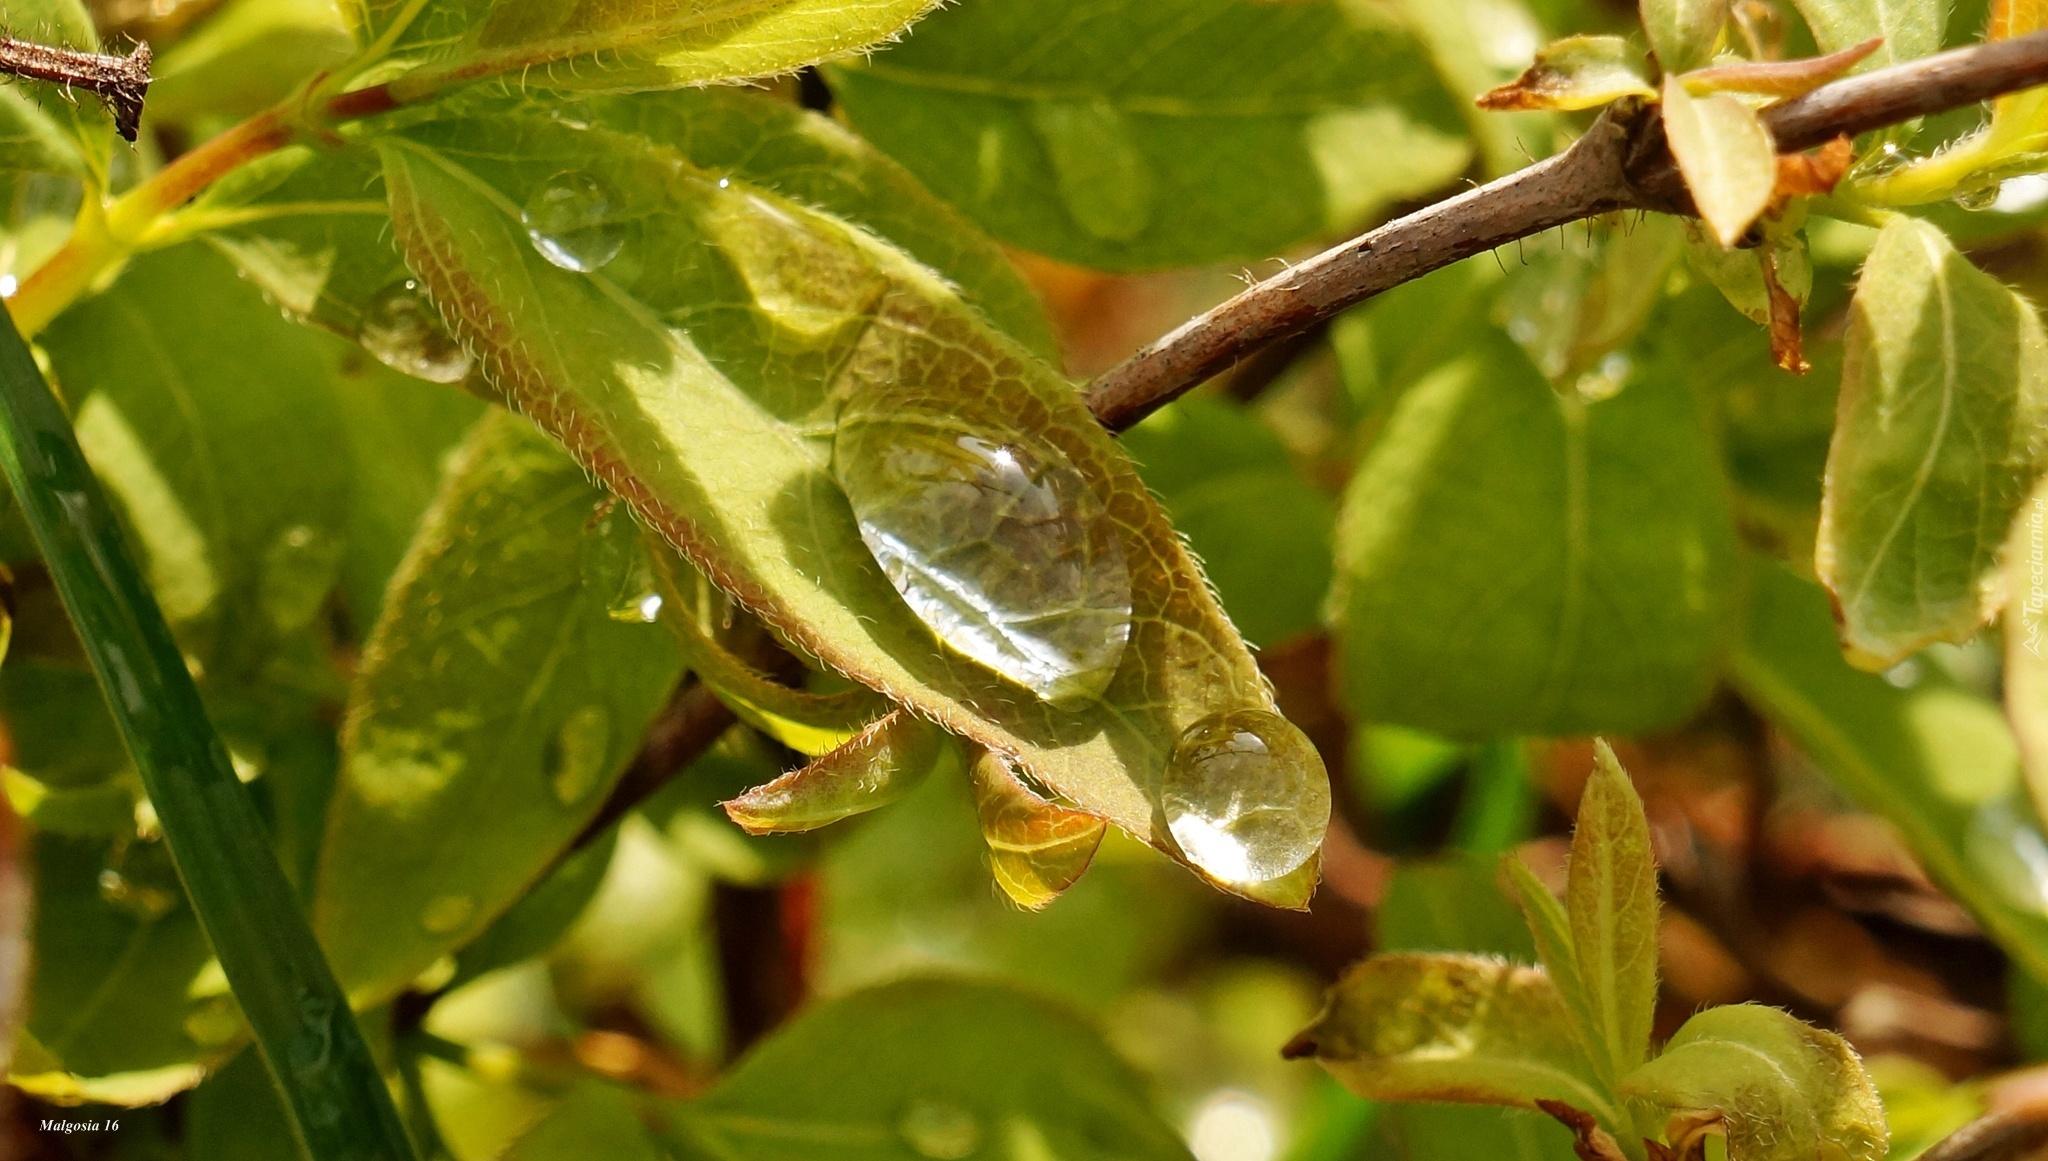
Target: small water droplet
pixel 140 881
pixel 572 219
pixel 617 570
pixel 446 913
pixel 1978 198
pixel 573 760
pixel 405 333
pixel 940 1130
pixel 1001 547
pixel 1245 796
pixel 299 570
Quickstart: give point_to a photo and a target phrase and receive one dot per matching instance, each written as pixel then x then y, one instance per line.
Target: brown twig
pixel 692 721
pixel 120 81
pixel 1621 163
pixel 2001 1136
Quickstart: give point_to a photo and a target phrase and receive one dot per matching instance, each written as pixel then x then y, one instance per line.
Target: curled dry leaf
pixel 879 765
pixel 1814 172
pixel 1778 78
pixel 1578 72
pixel 1037 848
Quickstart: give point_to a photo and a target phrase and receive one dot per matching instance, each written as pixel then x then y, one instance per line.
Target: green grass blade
pixel 331 1087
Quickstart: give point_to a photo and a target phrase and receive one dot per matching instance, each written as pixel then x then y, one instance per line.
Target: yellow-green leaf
pixel 1462 1028
pixel 1785 1090
pixel 1938 438
pixel 616 45
pixel 1726 155
pixel 1611 899
pixel 700 366
pixel 1684 33
pixel 1037 849
pixel 876 767
pixel 1578 72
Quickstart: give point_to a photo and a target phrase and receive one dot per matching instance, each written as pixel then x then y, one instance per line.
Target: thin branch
pixel 1621 163
pixel 685 729
pixel 120 81
pixel 2001 1136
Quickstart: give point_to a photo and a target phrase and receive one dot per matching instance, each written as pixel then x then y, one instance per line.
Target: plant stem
pixel 120 81
pixel 1621 163
pixel 331 1087
pixel 105 238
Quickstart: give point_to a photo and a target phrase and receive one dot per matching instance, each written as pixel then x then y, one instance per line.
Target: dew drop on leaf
pixel 405 333
pixel 214 1021
pixel 446 913
pixel 940 1130
pixel 1978 198
pixel 572 220
pixel 999 545
pixel 1245 796
pixel 299 569
pixel 573 759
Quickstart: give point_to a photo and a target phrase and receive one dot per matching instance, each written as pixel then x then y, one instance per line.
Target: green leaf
pixel 592 1121
pixel 929 1068
pixel 337 1101
pixel 498 700
pixel 1936 761
pixel 312 227
pixel 1726 155
pixel 1037 849
pixel 615 45
pixel 1739 274
pixel 1239 129
pixel 110 1004
pixel 701 372
pixel 541 916
pixel 1578 72
pixel 1512 560
pixel 1944 398
pixel 1611 900
pixel 1786 1091
pixel 1910 28
pixel 1684 33
pixel 1551 930
pixel 1453 903
pixel 246 57
pixel 875 768
pixel 224 467
pixel 235 1116
pixel 1231 489
pixel 1460 1028
pixel 1572 306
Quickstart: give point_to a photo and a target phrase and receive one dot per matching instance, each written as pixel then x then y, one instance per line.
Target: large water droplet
pixel 214 1021
pixel 573 221
pixel 1001 547
pixel 1245 796
pixel 140 880
pixel 940 1130
pixel 405 333
pixel 446 913
pixel 573 759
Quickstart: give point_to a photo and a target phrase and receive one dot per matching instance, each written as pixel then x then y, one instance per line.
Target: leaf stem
pixel 105 237
pixel 1621 163
pixel 331 1087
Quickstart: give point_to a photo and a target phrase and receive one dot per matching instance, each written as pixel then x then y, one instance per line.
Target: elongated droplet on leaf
pixel 1037 849
pixel 997 542
pixel 573 760
pixel 405 333
pixel 939 1129
pixel 572 219
pixel 880 765
pixel 1245 796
